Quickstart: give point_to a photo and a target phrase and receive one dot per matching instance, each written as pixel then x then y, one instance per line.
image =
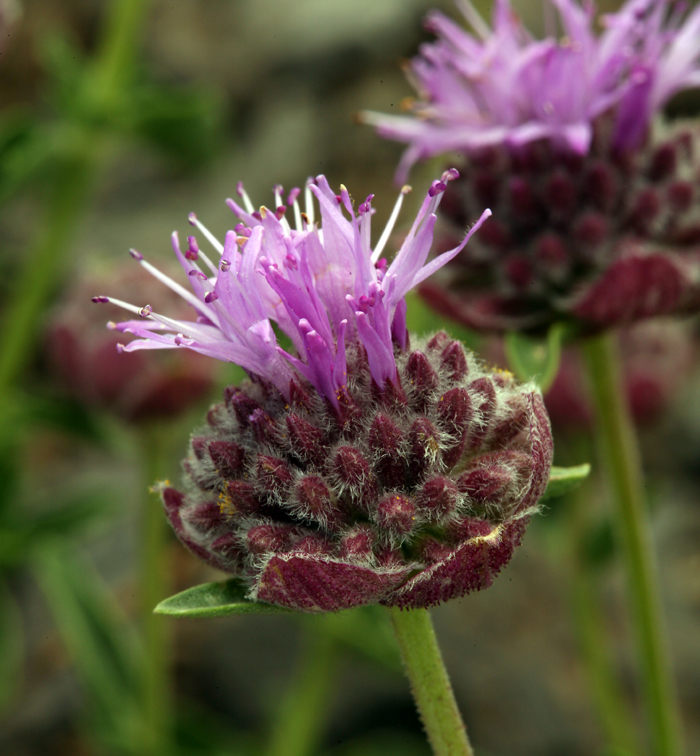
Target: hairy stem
pixel 621 451
pixel 430 684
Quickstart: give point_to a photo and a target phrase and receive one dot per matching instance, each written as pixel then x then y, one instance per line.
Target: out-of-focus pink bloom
pixel 85 355
pixel 502 86
pixel 658 357
pixel 595 208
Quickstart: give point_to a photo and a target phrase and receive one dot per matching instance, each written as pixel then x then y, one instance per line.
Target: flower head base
pixel 601 240
pixel 323 286
pixel 420 498
pixel 502 86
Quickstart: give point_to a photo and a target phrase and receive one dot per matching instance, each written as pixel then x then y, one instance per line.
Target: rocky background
pixel 268 90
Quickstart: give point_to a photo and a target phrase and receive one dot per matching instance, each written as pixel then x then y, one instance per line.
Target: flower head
pixel 595 212
pixel 352 469
pixel 502 86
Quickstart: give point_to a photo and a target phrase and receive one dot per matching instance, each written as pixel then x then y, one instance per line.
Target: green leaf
pixel 214 600
pixel 565 479
pixel 535 359
pixel 11 647
pixel 103 647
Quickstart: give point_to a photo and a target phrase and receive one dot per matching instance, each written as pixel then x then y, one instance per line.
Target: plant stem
pixel 430 684
pixel 43 263
pixel 153 581
pixel 609 697
pixel 298 729
pixel 621 450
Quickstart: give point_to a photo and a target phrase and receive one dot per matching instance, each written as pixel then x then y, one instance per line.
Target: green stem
pixel 154 585
pixel 619 443
pixel 611 703
pixel 122 37
pixel 43 265
pixel 299 726
pixel 430 684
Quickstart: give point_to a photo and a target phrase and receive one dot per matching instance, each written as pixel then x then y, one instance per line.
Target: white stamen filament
pixel 384 238
pixel 246 200
pixel 297 216
pixel 218 246
pixel 309 204
pixel 181 290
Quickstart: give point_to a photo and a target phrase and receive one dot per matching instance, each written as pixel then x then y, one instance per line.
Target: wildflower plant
pixel 360 467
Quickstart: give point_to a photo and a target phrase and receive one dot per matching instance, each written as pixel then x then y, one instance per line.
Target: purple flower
pixel 502 86
pixel 595 205
pixel 323 285
pixel 357 469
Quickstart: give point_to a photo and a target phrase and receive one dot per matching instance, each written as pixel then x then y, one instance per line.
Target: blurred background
pixel 117 119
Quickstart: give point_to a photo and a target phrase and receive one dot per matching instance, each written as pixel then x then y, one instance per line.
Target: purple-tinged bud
pixel 600 186
pixel 680 195
pixel 423 380
pixel 227 457
pixel 560 194
pixel 453 362
pixel 340 514
pixel 385 444
pixel 645 209
pixel 486 484
pixel 358 542
pixel 264 428
pixel 306 441
pixel 591 229
pixel 240 498
pixel 522 198
pixel 242 405
pixel 396 514
pixel 206 516
pixel 424 441
pixel 263 539
pixel 663 163
pixel 313 501
pixel 272 474
pixel 438 496
pixel 439 341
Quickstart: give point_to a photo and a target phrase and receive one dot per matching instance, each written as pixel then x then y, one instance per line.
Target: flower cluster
pixel 595 213
pixel 351 469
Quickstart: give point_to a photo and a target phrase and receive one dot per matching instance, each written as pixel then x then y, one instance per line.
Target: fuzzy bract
pixel 408 497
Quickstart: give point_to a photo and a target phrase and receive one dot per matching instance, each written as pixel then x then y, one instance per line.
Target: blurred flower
pixel 658 358
pixel 355 470
pixel 85 356
pixel 502 86
pixel 595 213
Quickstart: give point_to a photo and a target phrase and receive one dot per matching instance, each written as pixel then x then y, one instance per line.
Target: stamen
pixel 144 312
pixel 136 255
pixel 244 196
pixel 278 189
pixel 192 252
pixel 474 18
pixel 309 202
pixel 218 246
pixel 384 238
